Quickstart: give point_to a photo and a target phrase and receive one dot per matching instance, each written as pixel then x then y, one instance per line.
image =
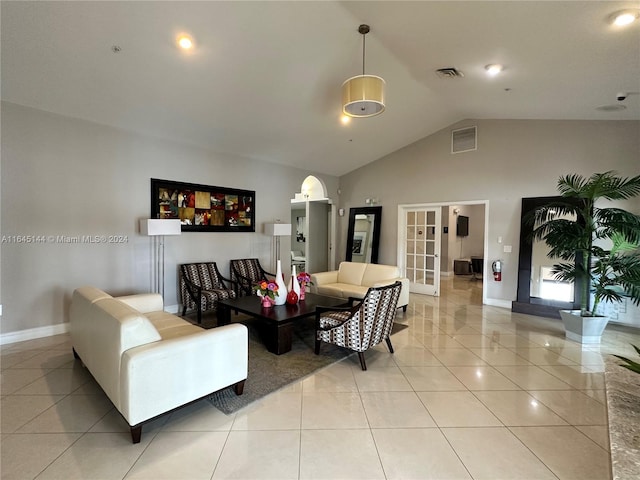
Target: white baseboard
pixel 497 302
pixel 172 308
pixel 33 333
pixel 48 331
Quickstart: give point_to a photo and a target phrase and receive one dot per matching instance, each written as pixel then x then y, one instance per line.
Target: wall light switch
pixel 499 239
pixel 507 249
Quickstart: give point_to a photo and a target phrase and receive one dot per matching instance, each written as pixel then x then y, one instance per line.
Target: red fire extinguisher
pixel 497 270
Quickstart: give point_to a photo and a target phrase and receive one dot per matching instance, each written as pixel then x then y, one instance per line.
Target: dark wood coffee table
pixel 279 319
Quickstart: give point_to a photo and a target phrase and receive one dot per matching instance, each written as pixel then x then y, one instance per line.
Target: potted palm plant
pixel 598 247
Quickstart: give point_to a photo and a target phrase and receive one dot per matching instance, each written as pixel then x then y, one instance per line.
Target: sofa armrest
pixel 322 278
pixel 404 291
pixel 144 302
pixel 161 376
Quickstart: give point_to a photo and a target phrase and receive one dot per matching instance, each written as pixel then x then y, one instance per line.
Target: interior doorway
pixel 442 240
pixel 313 216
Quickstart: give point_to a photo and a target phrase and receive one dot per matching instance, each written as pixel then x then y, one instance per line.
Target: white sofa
pixel 353 279
pixel 149 361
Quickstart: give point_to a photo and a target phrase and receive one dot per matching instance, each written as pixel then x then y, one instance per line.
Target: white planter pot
pixel 583 329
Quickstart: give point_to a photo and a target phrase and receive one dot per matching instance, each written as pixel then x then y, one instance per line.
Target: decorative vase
pixel 281 294
pixel 292 297
pixel 293 284
pixel 266 302
pixel 303 290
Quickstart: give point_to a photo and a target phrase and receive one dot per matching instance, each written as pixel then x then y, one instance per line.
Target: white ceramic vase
pixel 281 294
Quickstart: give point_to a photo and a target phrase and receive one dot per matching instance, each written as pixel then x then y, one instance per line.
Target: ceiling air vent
pixel 449 72
pixel 464 140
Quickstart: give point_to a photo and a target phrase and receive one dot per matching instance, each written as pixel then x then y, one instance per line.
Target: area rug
pixel 269 372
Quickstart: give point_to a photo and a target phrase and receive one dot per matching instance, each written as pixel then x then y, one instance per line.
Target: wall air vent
pixel 464 139
pixel 449 72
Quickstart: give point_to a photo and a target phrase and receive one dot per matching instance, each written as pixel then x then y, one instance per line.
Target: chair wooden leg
pixel 199 315
pixel 239 387
pixel 75 354
pixel 136 433
pixel 362 362
pixel 388 339
pixel 184 310
pixel 404 308
pixel 317 350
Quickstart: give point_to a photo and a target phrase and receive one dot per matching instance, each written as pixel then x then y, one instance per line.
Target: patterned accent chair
pixel 202 285
pixel 361 326
pixel 246 272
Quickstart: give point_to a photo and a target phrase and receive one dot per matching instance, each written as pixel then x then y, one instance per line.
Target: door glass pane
pixel 421 218
pixel 411 233
pixel 420 248
pixel 430 263
pixel 410 274
pixel 411 218
pixel 411 247
pixel 431 248
pixel 431 233
pixel 431 218
pixel 410 261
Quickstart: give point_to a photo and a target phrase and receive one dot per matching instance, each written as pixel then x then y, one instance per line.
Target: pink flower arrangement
pixel 266 289
pixel 304 278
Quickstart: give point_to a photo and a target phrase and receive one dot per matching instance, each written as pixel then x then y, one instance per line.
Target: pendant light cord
pixel 364 46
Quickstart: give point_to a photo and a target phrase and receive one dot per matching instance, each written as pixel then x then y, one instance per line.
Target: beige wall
pixel 514 159
pixel 62 176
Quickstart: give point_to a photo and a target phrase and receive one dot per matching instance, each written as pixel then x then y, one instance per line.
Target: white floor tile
pixel 418 453
pixel 339 454
pixel 395 410
pixel 25 456
pixel 107 456
pixel 458 409
pixel 260 455
pixel 176 455
pixel 518 408
pixel 566 451
pixel 333 410
pixel 278 411
pixel 495 453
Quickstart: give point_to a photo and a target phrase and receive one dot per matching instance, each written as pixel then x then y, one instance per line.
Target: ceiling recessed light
pixel 493 69
pixel 625 17
pixel 185 42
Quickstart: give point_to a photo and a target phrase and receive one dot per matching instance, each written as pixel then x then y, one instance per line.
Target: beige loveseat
pixel 149 361
pixel 354 279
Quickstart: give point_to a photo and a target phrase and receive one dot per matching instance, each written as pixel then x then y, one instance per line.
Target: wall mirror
pixel 363 236
pixel 538 292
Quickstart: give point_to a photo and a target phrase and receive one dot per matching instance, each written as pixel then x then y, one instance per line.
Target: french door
pixel 421 255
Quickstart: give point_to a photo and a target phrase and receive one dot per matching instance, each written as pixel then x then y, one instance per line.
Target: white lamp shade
pixel 278 229
pixel 160 226
pixel 363 96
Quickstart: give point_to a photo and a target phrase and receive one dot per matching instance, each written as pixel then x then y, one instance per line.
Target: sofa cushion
pixel 170 326
pixel 342 290
pixel 351 273
pixel 377 274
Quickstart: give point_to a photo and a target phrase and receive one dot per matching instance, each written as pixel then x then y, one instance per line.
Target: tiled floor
pixel 472 392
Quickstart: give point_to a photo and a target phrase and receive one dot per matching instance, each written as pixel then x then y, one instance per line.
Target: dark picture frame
pixel 204 208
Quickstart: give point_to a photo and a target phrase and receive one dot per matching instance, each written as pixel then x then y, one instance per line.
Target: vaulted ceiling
pixel 264 78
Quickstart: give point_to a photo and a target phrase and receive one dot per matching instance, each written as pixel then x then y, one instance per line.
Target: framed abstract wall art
pixel 203 208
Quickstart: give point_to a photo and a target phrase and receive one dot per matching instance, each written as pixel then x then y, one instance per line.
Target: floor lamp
pixel 277 230
pixel 157 229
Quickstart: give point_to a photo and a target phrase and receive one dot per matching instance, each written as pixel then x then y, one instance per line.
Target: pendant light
pixel 363 95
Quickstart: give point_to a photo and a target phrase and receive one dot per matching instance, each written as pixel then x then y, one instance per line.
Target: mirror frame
pixel 375 240
pixel 525 303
